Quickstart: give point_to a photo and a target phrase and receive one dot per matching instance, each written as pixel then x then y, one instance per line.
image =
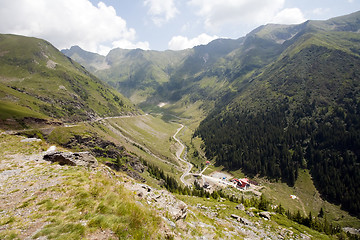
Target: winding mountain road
pixel 178 155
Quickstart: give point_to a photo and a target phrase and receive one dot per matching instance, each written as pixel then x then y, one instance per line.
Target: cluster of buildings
pixel 241 183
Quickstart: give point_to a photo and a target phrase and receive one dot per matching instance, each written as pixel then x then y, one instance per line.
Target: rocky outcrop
pixel 161 200
pixel 251 214
pixel 265 215
pixel 100 147
pixel 84 159
pixel 240 207
pixel 132 167
pixel 245 221
pixel 96 145
pixel 242 220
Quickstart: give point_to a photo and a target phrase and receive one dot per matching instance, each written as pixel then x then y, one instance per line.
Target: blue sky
pixel 99 26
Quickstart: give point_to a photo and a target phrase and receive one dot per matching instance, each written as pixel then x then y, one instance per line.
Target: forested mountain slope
pixel 301 111
pixel 36 80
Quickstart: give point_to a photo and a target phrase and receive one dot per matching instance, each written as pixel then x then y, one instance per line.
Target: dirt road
pixel 178 155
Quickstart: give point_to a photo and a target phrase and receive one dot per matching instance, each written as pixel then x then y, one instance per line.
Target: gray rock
pixel 147 188
pixel 31 140
pixel 84 159
pixel 240 207
pixel 304 236
pixel 178 210
pixel 162 200
pixel 244 221
pixel 265 215
pixel 352 230
pixel 171 223
pixel 251 214
pixel 235 216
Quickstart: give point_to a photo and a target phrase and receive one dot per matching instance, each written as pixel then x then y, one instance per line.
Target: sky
pixel 99 26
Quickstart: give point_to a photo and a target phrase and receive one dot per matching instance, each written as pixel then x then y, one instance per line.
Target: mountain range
pixel 281 99
pixel 279 103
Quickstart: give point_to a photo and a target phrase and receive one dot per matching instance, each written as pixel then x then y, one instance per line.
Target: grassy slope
pixel 77 203
pixel 148 131
pixel 154 134
pixel 11 110
pixel 226 208
pixel 137 73
pixel 62 202
pixel 309 200
pixel 151 132
pixel 35 75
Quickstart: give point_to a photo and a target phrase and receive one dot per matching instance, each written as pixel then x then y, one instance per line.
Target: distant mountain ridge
pixel 91 61
pixel 155 76
pixel 152 75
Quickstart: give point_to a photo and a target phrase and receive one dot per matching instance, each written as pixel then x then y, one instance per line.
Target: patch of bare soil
pixel 221 175
pixel 23 184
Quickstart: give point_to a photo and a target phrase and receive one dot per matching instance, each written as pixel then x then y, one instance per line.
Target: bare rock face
pixel 84 159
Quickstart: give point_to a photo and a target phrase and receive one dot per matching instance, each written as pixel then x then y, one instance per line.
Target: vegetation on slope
pixel 302 111
pixel 61 202
pixel 137 74
pixel 36 76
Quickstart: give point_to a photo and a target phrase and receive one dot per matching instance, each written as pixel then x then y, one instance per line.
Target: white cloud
pixel 124 44
pixel 320 11
pixel 218 13
pixel 289 16
pixel 249 13
pixel 67 22
pixel 161 11
pixel 181 42
pixel 129 45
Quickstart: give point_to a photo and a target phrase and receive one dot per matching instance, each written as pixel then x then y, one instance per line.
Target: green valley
pixel 255 138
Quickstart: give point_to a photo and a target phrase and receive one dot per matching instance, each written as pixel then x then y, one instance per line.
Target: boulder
pixel 171 223
pixel 178 210
pixel 84 159
pixel 235 216
pixel 240 207
pixel 251 214
pixel 265 215
pixel 244 221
